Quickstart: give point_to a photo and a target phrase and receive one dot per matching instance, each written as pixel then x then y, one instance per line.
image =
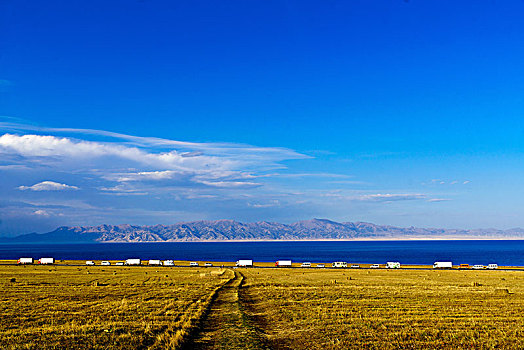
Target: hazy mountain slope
pixel 223 230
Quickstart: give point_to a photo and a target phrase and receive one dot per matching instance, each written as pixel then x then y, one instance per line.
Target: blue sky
pixel 394 112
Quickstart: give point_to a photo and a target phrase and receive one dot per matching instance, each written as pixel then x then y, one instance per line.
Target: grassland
pixel 120 307
pixel 66 307
pixel 387 309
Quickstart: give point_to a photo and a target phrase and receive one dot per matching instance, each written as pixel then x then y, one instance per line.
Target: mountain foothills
pixel 229 230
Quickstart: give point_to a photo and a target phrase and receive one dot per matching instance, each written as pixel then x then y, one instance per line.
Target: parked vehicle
pixel 478 267
pixel 355 266
pixel 169 263
pixel 154 262
pixel 392 265
pixel 463 266
pixel 193 264
pixel 46 261
pixel 321 265
pixel 120 263
pixel 133 262
pixel 493 266
pixel 105 263
pixel 375 266
pixel 339 264
pixel 90 263
pixel 208 264
pixel 283 263
pixel 244 263
pixel 443 265
pixel 306 264
pixel 25 261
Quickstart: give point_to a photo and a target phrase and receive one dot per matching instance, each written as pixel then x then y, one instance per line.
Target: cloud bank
pixel 84 177
pixel 48 186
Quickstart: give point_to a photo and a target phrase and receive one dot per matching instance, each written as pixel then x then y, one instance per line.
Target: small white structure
pixel 321 265
pixel 90 262
pixel 355 266
pixel 339 264
pixel 120 263
pixel 392 265
pixel 133 262
pixel 105 263
pixel 493 266
pixel 442 265
pixel 154 262
pixel 244 263
pixel 169 263
pixel 46 261
pixel 283 263
pixel 375 266
pixel 193 264
pixel 477 267
pixel 25 261
pixel 306 264
pixel 208 264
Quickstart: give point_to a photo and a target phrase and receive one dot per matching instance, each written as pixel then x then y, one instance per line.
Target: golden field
pixel 121 307
pixel 388 309
pixel 68 307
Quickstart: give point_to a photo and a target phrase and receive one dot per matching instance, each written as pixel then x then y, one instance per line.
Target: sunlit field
pixel 147 307
pixel 388 309
pixel 57 307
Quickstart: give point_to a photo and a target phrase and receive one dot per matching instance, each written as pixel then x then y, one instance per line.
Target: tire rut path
pixel 226 326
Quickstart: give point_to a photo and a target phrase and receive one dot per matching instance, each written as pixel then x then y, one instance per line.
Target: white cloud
pixel 387 197
pixel 231 184
pixel 123 190
pixel 41 213
pixel 187 149
pixel 209 161
pixel 439 200
pixel 466 182
pixel 274 203
pixel 147 175
pixel 48 186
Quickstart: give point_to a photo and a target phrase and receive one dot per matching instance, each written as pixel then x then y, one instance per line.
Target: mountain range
pixel 229 230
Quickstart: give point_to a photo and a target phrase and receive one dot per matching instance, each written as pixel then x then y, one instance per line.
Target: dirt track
pixel 226 325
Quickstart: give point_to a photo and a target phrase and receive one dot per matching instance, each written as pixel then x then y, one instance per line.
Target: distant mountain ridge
pixel 229 230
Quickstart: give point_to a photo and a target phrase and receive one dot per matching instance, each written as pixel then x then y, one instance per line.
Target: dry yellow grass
pixel 381 309
pixel 120 307
pixel 58 307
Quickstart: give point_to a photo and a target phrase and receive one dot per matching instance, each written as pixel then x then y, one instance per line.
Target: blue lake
pixel 505 253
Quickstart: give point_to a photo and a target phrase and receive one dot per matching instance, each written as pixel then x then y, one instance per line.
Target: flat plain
pixel 388 309
pixel 69 307
pixel 148 307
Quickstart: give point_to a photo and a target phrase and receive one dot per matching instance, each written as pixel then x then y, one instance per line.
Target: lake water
pixel 504 253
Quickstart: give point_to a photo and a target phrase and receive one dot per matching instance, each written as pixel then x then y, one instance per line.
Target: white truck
pixel 133 262
pixel 46 261
pixel 154 262
pixel 443 265
pixel 339 264
pixel 244 263
pixel 25 261
pixel 392 265
pixel 90 263
pixel 283 263
pixel 169 263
